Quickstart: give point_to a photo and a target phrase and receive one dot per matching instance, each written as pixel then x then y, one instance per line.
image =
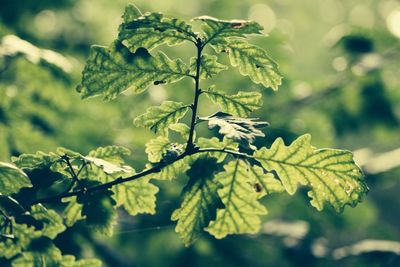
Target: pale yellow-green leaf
pixel 12 179
pixel 264 183
pixel 152 29
pixel 155 148
pixel 159 118
pixel 252 61
pixel 209 66
pixel 240 104
pixel 200 201
pixel 110 71
pixel 242 209
pixel 331 174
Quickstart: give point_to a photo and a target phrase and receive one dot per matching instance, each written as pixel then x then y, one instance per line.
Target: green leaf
pixel 242 210
pixel 110 71
pixel 12 179
pixel 214 142
pixel 131 13
pixel 156 148
pixel 209 66
pixel 239 129
pixel 23 235
pixel 160 117
pixel 70 261
pixel 35 161
pixel 51 256
pixel 42 253
pixel 182 129
pixel 108 167
pixel 240 104
pixel 152 29
pixel 98 208
pixel 173 170
pixel 215 29
pixel 264 183
pixel 331 174
pixel 110 153
pixel 73 211
pixel 138 196
pixel 200 201
pixel 52 222
pixel 252 61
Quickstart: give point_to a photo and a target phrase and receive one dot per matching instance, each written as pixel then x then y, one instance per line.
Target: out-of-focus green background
pixel 340 61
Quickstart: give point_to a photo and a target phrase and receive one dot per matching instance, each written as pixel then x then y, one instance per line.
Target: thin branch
pixel 199 46
pixel 223 150
pixel 143 173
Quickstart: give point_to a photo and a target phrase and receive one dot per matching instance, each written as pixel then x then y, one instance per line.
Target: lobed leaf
pixel 110 71
pixel 182 129
pixel 138 196
pixel 52 222
pixel 332 175
pixel 152 29
pixel 242 210
pixel 199 200
pixel 160 117
pixel 216 29
pixel 241 130
pixel 214 142
pixel 240 104
pixel 110 153
pixel 156 148
pixel 252 61
pixel 209 66
pixel 264 183
pixel 12 179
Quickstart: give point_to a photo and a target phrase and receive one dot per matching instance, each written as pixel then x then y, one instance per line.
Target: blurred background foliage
pixel 340 60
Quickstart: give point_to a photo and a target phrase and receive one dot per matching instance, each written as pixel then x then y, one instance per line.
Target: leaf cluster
pixel 227 175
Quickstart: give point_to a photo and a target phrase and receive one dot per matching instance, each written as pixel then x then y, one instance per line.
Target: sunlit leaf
pixel 264 183
pixel 240 104
pixel 52 222
pixel 252 61
pixel 214 142
pixel 242 210
pixel 110 71
pixel 209 66
pixel 152 29
pixel 156 148
pixel 200 201
pixel 138 196
pixel 12 179
pixel 160 117
pixel 216 29
pixel 331 174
